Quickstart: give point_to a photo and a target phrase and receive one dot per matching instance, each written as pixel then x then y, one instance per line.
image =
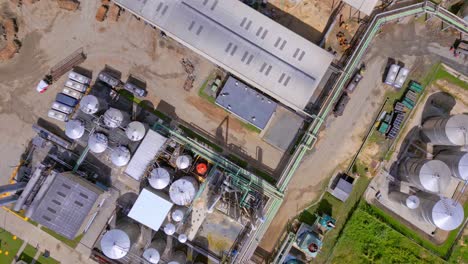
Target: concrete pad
pixel 283 128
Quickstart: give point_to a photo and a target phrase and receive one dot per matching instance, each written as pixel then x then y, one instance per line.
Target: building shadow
pixel 125 202
pixel 438 105
pixel 390 62
pixel 83 71
pixel 167 109
pixel 112 71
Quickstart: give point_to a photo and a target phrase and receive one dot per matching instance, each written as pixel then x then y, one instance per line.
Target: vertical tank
pixel 183 162
pixel 457 162
pixel 178 257
pixel 182 238
pixel 183 191
pixel 89 104
pixel 429 175
pixel 444 213
pixel 169 229
pixel 98 142
pixel 113 118
pixel 449 131
pixel 410 201
pixel 159 178
pixel 116 243
pixel 155 250
pixel 120 156
pixel 74 129
pixel 135 131
pixel 177 215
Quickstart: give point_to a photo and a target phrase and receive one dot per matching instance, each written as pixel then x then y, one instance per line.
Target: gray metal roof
pixel 66 204
pixel 365 6
pixel 243 101
pixel 263 53
pixel 342 190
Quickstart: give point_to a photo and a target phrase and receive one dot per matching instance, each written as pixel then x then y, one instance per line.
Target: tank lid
pixel 457 129
pixel 89 104
pixel 177 215
pixel 120 156
pixel 135 131
pixel 159 178
pixel 463 166
pixel 433 175
pixel 169 229
pixel 74 129
pixel 447 214
pixel 115 244
pixel 183 162
pixel 412 202
pixel 183 191
pixel 113 118
pixel 152 255
pixel 182 238
pixel 97 142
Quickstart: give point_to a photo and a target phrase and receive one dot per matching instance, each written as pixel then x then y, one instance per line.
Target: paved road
pixel 411 43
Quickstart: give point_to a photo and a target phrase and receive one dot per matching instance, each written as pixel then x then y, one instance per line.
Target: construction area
pixel 132 137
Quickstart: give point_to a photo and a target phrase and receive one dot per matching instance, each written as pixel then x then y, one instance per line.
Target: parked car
pixel 108 79
pixel 73 93
pixel 62 107
pixel 138 91
pixel 354 82
pixel 76 85
pixel 57 115
pixel 79 77
pixel 66 100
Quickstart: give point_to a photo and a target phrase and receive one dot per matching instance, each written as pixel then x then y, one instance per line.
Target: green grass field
pixel 8 246
pixel 367 240
pixel 28 254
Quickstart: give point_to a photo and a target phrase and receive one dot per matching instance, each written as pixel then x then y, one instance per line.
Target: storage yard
pixel 112 109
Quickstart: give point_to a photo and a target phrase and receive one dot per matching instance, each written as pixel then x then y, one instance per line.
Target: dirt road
pixel 413 43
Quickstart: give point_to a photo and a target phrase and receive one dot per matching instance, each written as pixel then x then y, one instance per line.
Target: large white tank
pixel 179 257
pixel 74 129
pixel 450 131
pixel 97 142
pixel 183 162
pixel 113 118
pixel 183 191
pixel 115 244
pixel 135 131
pixel 155 250
pixel 120 156
pixel 457 162
pixel 444 213
pixel 89 104
pixel 429 175
pixel 159 178
pixel 410 201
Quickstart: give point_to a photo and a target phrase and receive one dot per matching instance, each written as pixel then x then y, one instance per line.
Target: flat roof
pixel 66 204
pixel 149 147
pixel 246 103
pixel 150 209
pixel 365 6
pixel 342 190
pixel 250 45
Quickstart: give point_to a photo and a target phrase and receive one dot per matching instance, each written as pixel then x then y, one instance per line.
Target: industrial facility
pixel 187 198
pixel 426 182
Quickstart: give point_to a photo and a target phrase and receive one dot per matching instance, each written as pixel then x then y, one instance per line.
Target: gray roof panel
pixel 231 21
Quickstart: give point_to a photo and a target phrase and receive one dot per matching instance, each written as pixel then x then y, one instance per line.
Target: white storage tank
pixel 74 129
pixel 410 201
pixel 183 162
pixel 457 162
pixel 429 175
pixel 120 156
pixel 115 244
pixel 98 142
pixel 155 250
pixel 444 213
pixel 89 104
pixel 159 178
pixel 182 238
pixel 177 215
pixel 169 229
pixel 449 131
pixel 183 191
pixel 113 118
pixel 135 131
pixel 178 257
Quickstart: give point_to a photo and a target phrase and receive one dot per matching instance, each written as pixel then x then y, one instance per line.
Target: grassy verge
pixel 190 133
pixel 44 260
pixel 71 243
pixel 365 239
pixel 442 250
pixel 9 246
pixel 201 91
pixel 460 251
pixel 140 103
pixel 28 254
pixel 442 74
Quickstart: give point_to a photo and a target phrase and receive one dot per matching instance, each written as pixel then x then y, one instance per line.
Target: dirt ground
pixel 49 34
pixel 416 44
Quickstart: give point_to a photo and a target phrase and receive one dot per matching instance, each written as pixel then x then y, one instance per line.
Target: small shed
pixel 343 188
pixel 150 209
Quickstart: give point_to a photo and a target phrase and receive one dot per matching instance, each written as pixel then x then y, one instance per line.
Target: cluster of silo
pixel 432 176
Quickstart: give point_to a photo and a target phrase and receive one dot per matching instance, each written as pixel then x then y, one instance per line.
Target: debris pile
pixel 9 28
pixel 101 13
pixel 189 69
pixel 70 5
pixel 114 13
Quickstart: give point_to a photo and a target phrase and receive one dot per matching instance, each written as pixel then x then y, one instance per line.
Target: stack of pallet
pixel 412 95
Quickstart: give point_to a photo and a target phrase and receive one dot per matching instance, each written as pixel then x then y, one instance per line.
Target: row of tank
pixel 433 176
pixel 117 243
